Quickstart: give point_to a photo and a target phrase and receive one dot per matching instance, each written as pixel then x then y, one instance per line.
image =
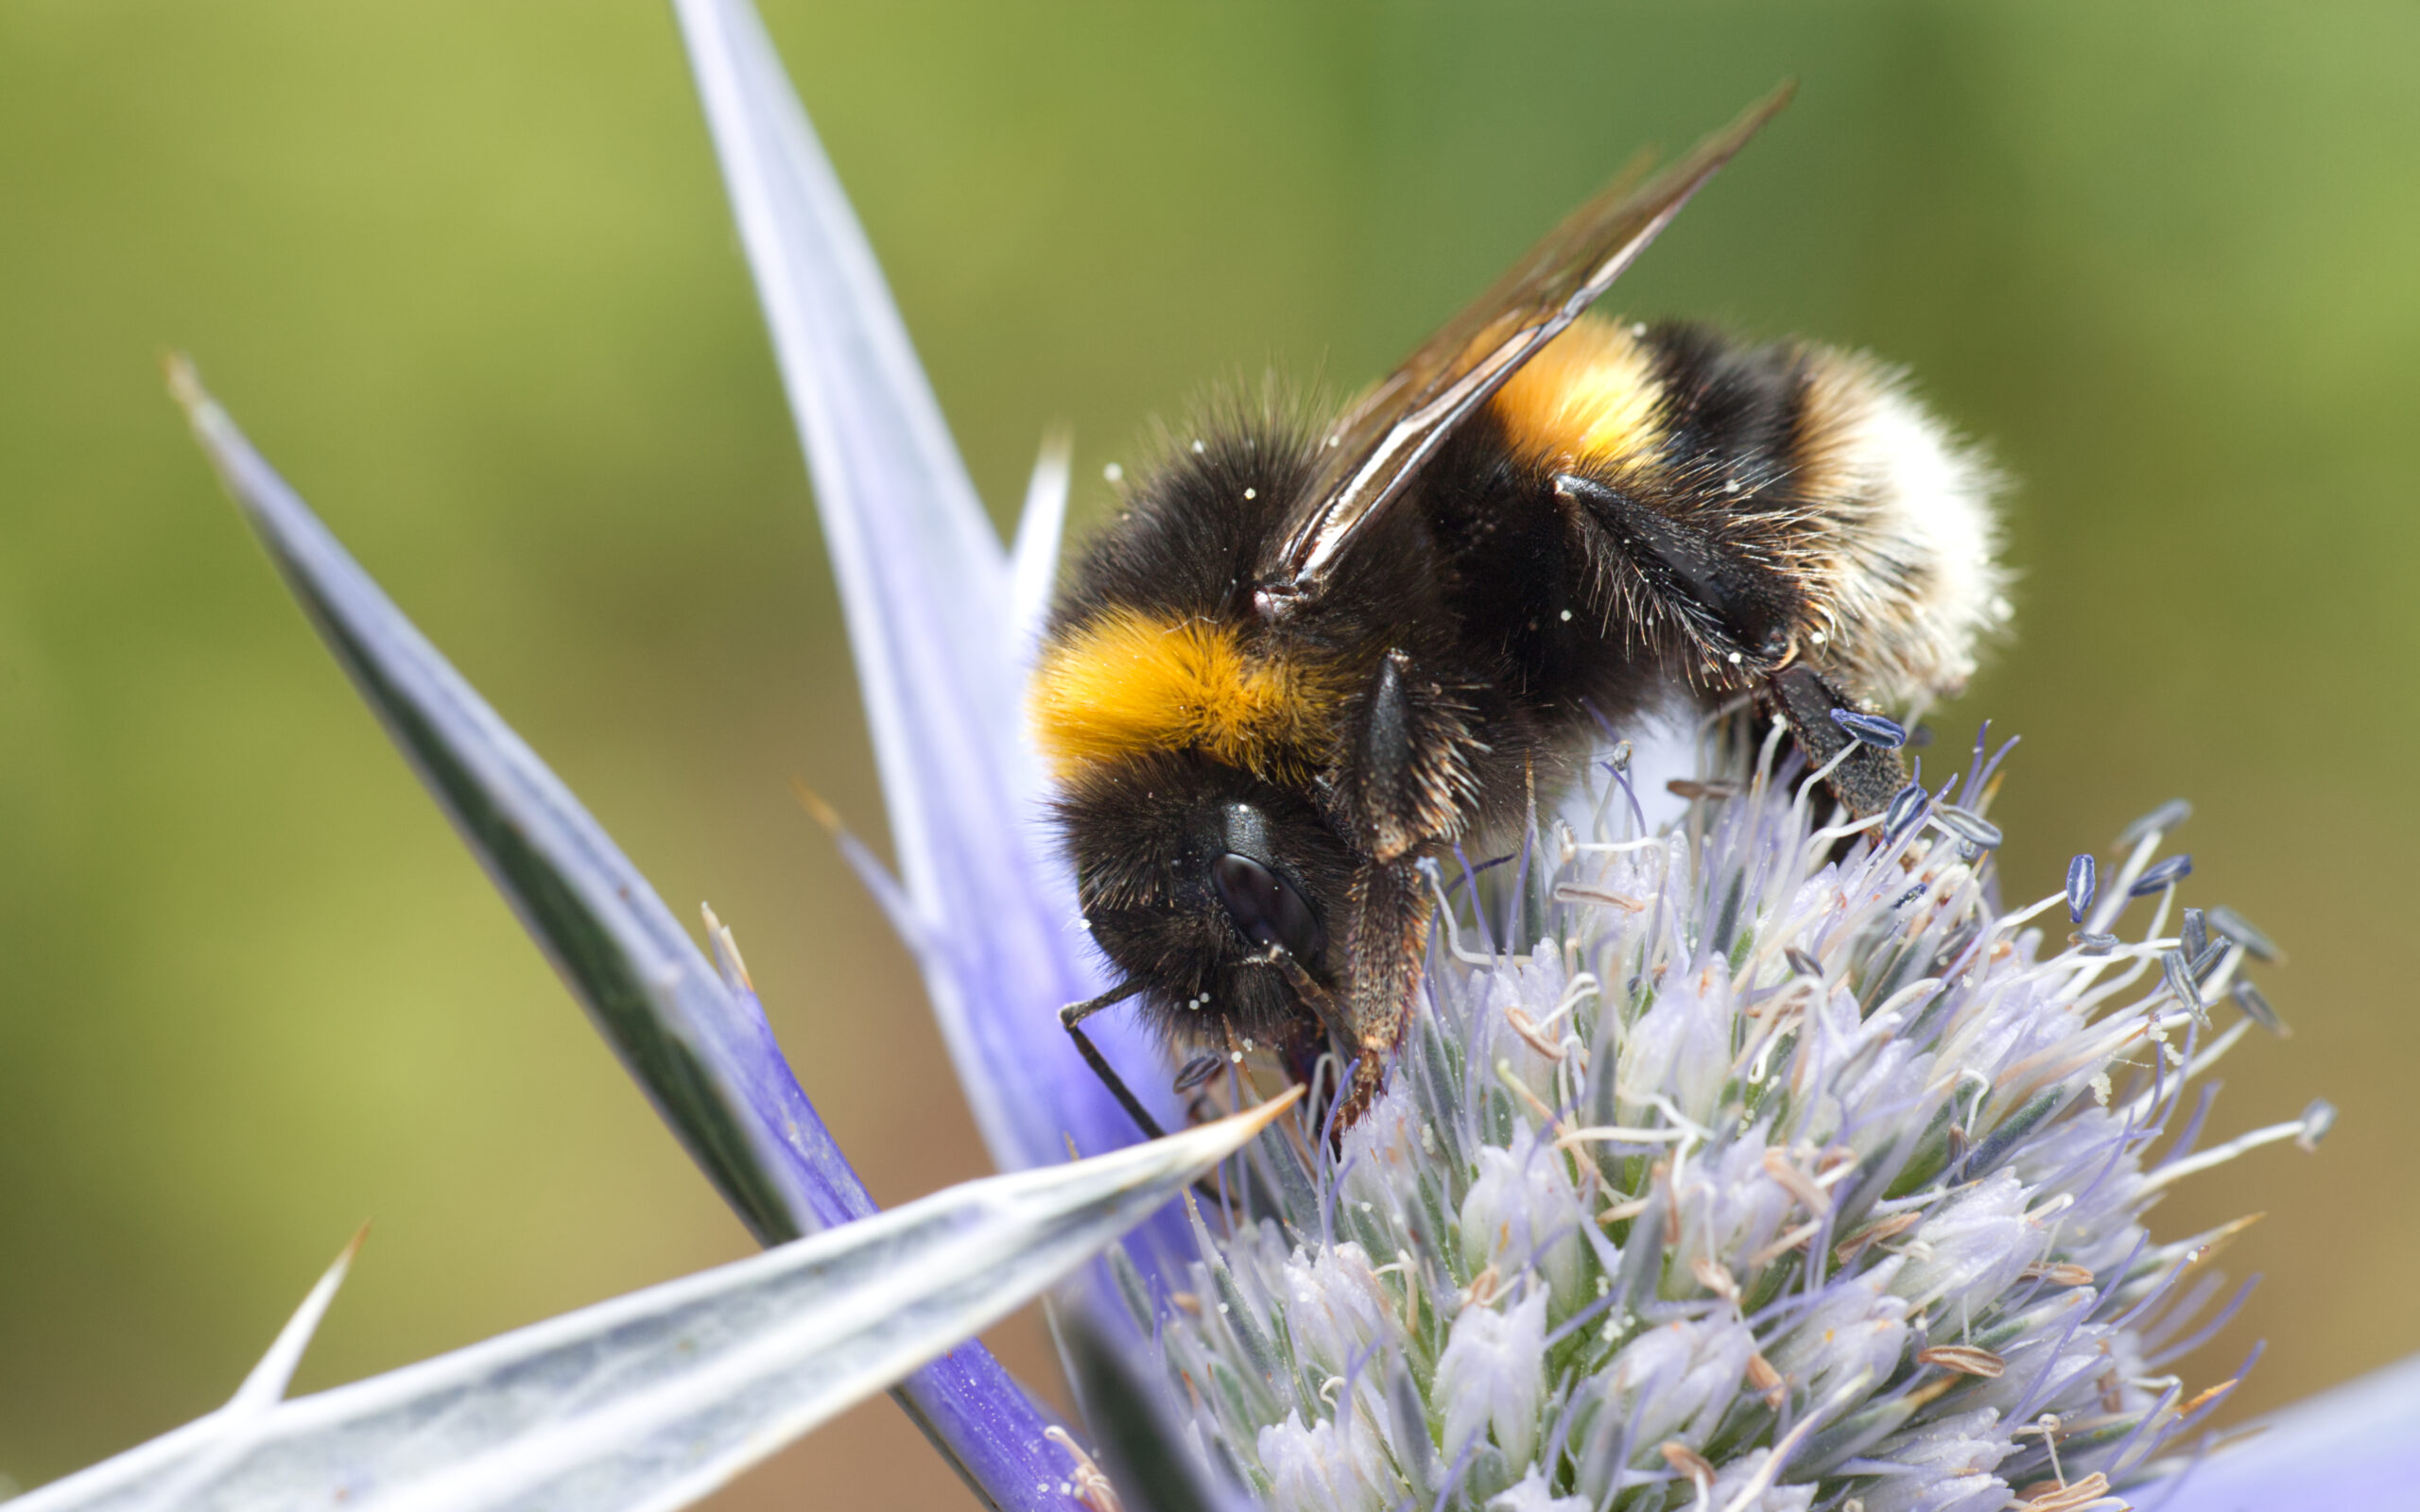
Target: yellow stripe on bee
pixel 1127 682
pixel 1590 395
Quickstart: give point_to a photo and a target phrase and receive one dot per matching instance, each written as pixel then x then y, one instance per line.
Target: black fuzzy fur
pixel 1484 629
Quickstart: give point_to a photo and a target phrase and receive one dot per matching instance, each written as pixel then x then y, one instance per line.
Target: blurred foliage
pixel 465 271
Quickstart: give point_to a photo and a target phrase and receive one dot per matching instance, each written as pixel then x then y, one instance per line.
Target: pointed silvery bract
pixel 935 614
pixel 1033 557
pixel 697 1042
pixel 651 1401
pixel 706 1057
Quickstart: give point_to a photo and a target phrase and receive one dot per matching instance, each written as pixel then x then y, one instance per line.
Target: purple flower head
pixel 1773 1165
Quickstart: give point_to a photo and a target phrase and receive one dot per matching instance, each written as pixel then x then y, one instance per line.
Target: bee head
pixel 1193 876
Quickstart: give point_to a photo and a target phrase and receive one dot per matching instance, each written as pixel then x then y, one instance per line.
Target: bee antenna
pixel 1075 1013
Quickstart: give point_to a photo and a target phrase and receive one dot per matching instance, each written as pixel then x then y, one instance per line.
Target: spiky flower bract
pixel 1763 1163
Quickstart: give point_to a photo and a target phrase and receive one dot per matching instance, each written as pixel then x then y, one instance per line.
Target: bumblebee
pixel 1305 658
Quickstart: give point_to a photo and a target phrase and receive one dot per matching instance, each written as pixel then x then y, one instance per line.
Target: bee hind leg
pixel 1868 776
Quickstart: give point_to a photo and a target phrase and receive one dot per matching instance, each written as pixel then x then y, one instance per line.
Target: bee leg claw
pixel 1369 1076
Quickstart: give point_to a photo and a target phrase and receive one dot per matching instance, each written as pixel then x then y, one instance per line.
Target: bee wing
pixel 1382 440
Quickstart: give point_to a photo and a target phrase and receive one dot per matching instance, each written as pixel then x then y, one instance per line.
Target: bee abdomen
pixel 1910 574
pixel 1807 467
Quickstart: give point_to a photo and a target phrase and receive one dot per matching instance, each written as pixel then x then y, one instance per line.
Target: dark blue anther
pixel 1873 730
pixel 2096 944
pixel 2179 978
pixel 2236 927
pixel 1905 805
pixel 2194 936
pixel 2084 876
pixel 1910 896
pixel 2166 817
pixel 2249 1003
pixel 1967 825
pixel 2167 873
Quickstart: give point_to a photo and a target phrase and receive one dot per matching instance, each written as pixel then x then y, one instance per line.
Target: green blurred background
pixel 465 271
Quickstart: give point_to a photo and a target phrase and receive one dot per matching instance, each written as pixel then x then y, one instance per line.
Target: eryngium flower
pixel 1750 1164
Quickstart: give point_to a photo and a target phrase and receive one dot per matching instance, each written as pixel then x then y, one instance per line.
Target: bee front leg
pixel 1073 1015
pixel 1317 998
pixel 1389 940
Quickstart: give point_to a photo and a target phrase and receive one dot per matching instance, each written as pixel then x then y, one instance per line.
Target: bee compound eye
pixel 1264 905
